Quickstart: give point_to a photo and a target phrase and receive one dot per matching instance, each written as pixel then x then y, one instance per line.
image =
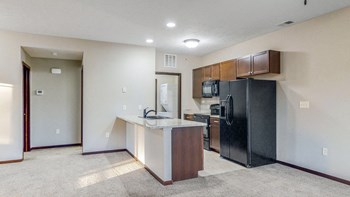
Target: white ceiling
pixel 49 53
pixel 217 23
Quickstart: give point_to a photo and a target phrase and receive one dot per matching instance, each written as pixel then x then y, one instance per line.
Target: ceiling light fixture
pixel 54 53
pixel 149 41
pixel 191 43
pixel 171 25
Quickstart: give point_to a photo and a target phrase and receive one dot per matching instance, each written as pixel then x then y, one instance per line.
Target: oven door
pixel 207 89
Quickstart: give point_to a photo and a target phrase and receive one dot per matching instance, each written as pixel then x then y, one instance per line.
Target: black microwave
pixel 210 88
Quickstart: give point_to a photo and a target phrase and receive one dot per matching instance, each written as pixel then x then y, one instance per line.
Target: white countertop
pixel 161 123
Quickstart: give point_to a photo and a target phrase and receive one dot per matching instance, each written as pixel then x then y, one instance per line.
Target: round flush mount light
pixel 191 43
pixel 171 25
pixel 54 53
pixel 149 40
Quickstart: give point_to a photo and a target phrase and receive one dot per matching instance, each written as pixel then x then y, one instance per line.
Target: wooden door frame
pixel 26 107
pixel 81 105
pixel 179 90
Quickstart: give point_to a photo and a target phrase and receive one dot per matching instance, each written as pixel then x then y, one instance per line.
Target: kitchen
pixel 304 115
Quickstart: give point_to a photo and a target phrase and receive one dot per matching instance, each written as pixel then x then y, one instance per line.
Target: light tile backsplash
pixel 206 102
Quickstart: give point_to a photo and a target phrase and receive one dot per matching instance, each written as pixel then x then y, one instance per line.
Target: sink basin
pixel 157 117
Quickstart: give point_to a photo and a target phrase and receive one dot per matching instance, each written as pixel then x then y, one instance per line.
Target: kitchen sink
pixel 157 117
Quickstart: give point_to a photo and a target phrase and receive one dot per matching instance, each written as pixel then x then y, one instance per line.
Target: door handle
pixel 230 116
pixel 226 110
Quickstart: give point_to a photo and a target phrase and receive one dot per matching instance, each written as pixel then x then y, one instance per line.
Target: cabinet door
pixel 243 66
pixel 207 73
pixel 197 79
pixel 260 63
pixel 215 72
pixel 215 134
pixel 228 70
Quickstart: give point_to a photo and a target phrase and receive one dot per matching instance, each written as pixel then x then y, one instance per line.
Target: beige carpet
pixel 65 172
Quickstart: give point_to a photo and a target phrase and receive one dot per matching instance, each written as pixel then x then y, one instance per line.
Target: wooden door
pixel 244 66
pixel 26 107
pixel 260 63
pixel 206 73
pixel 228 70
pixel 197 75
pixel 215 134
pixel 215 72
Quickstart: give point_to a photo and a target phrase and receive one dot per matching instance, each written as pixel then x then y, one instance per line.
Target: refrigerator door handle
pixel 230 113
pixel 226 110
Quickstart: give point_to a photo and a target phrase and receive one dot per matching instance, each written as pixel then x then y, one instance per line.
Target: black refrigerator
pixel 248 121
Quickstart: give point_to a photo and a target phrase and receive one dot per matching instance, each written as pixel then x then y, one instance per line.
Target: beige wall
pixel 315 67
pixel 185 64
pixel 107 68
pixel 59 107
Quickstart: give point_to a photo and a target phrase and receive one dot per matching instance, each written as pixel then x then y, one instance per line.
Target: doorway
pixel 52 82
pixel 26 107
pixel 168 94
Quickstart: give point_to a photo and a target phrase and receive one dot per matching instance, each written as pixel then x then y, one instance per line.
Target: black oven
pixel 210 88
pixel 206 132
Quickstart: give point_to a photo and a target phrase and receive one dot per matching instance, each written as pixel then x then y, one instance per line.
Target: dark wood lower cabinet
pixel 215 134
pixel 187 152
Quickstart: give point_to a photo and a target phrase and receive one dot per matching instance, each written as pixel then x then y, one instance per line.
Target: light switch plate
pixel 304 104
pixel 124 107
pixel 107 135
pixel 58 131
pixel 140 107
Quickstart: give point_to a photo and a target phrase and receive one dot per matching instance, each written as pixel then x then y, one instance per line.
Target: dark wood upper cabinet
pixel 197 79
pixel 228 70
pixel 247 66
pixel 244 66
pixel 259 63
pixel 207 73
pixel 215 72
pixel 266 62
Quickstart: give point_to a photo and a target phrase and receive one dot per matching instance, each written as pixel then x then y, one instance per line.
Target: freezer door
pixel 224 127
pixel 238 117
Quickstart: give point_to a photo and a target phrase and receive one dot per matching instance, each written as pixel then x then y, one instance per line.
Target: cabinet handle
pixel 216 121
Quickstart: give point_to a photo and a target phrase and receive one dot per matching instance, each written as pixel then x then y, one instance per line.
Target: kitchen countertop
pixel 160 123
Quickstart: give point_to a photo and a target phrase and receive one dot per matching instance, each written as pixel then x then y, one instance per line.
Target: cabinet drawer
pixel 214 121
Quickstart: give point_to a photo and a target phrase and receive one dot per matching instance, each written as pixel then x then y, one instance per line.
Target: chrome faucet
pixel 145 112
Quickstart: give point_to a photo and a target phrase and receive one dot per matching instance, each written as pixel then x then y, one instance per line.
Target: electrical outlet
pixel 124 107
pixel 324 151
pixel 58 131
pixel 124 90
pixel 107 135
pixel 140 107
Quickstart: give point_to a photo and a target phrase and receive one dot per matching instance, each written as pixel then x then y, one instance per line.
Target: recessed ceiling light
pixel 149 41
pixel 54 53
pixel 171 25
pixel 191 43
